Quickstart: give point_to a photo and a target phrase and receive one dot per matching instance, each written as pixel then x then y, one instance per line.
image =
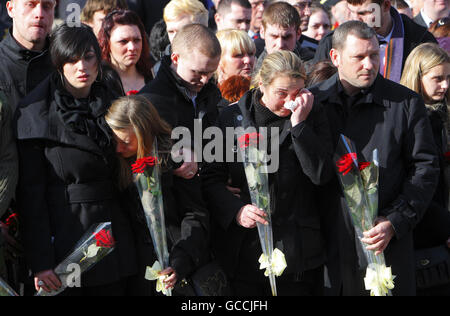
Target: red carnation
pixel 447 156
pixel 104 239
pixel 141 164
pixel 346 163
pixel 13 219
pixel 132 92
pixel 250 139
pixel 363 165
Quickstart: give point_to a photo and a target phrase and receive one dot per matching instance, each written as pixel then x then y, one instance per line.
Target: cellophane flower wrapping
pixel 5 289
pixel 96 244
pixel 255 166
pixel 147 178
pixel 359 182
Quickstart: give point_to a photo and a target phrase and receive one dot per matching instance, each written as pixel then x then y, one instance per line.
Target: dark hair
pixel 158 40
pixel 282 14
pixel 225 5
pixel 125 17
pixel 92 6
pixel 71 43
pixel 321 71
pixel 357 28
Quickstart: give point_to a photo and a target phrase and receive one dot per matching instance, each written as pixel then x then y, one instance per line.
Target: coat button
pixel 424 262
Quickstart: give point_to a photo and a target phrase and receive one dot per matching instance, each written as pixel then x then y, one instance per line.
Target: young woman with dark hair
pixel 125 48
pixel 68 169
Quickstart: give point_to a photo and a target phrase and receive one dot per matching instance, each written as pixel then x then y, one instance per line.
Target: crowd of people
pixel 81 102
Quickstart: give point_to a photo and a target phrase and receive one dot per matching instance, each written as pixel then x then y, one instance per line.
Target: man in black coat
pixel 393 30
pixel 25 59
pixel 182 92
pixel 376 113
pixel 24 63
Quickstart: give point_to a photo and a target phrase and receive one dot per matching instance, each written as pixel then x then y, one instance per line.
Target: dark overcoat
pixel 167 93
pixel 66 184
pixel 304 161
pixel 392 119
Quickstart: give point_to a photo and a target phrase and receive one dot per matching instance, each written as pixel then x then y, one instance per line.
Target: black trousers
pixel 309 284
pixel 120 288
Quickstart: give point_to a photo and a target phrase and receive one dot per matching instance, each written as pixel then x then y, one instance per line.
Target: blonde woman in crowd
pixel 136 124
pixel 304 154
pixel 236 64
pixel 427 72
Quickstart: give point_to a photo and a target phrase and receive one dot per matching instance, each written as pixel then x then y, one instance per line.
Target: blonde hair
pixel 235 42
pixel 138 114
pixel 194 8
pixel 280 63
pixel 419 62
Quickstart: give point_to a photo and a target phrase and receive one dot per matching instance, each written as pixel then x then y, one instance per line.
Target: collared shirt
pixel 426 19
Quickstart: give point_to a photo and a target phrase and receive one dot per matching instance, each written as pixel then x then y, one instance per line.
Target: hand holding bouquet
pixel 360 186
pixel 96 244
pixel 254 160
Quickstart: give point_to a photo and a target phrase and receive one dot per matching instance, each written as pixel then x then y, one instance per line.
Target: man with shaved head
pixel 182 91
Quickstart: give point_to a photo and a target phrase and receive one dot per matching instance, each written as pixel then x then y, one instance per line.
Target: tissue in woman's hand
pixel 291 105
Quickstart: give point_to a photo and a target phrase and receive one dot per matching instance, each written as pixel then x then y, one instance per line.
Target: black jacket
pixel 167 93
pixel 66 184
pixel 21 70
pixel 414 36
pixel 434 229
pixel 304 161
pixel 392 119
pixel 187 226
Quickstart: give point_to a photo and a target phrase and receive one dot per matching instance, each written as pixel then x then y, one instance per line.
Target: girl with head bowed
pixel 138 130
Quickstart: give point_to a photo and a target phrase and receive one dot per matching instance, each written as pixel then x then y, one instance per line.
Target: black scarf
pixel 83 116
pixel 264 116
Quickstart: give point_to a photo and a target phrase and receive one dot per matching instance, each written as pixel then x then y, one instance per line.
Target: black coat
pixel 304 157
pixel 167 93
pixel 66 184
pixel 392 119
pixel 21 70
pixel 434 229
pixel 414 36
pixel 187 227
